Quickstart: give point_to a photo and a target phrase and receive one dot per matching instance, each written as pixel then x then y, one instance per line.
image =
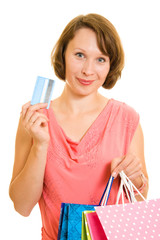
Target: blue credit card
pixel 42 91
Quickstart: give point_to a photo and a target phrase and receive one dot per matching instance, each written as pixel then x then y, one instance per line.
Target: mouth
pixel 85 82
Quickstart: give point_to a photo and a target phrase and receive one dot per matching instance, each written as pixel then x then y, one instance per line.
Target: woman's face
pixel 86 66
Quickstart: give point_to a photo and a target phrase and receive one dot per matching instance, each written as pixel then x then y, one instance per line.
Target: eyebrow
pixel 80 49
pixel 83 50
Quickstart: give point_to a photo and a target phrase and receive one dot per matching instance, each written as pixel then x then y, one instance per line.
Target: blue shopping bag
pixel 70 223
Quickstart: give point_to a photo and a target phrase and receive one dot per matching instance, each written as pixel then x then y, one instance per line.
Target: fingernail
pixel 114 174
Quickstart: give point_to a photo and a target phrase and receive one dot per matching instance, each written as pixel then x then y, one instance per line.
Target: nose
pixel 88 68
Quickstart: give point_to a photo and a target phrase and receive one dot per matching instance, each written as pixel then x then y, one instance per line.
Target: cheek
pixel 103 72
pixel 72 67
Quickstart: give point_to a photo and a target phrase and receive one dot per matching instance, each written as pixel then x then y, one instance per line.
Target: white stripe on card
pixel 44 90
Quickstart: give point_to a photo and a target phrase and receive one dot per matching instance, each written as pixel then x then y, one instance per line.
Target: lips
pixel 85 82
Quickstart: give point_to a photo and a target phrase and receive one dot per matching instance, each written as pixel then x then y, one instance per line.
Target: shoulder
pixel 126 111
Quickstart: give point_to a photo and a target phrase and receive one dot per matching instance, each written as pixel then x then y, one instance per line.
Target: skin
pixel 79 104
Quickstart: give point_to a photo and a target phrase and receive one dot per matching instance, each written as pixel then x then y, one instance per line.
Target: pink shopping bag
pixel 133 221
pixel 130 221
pixel 95 227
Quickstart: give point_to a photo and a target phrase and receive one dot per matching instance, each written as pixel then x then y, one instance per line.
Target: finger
pixel 135 175
pixel 33 127
pixel 24 108
pixel 38 106
pixel 36 115
pixel 34 121
pixel 133 167
pixel 40 121
pixel 125 162
pixel 29 114
pixel 114 166
pixel 40 110
pixel 32 109
pixel 28 126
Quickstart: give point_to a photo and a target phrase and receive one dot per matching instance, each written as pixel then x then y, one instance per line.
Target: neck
pixel 79 104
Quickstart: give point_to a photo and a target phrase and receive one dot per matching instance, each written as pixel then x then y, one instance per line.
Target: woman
pixel 67 153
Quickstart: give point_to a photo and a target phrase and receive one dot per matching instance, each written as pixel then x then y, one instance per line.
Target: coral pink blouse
pixel 77 172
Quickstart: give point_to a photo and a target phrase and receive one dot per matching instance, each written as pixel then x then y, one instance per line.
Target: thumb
pixel 114 166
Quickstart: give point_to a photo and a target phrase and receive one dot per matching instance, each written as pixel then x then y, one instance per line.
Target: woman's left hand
pixel 130 164
pixel 133 163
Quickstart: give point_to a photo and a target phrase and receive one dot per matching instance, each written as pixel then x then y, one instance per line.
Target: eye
pixel 101 60
pixel 80 55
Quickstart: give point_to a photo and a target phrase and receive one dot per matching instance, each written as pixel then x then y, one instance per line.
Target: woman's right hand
pixel 35 122
pixel 30 158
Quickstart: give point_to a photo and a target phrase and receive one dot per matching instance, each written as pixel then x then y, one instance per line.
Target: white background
pixel 28 30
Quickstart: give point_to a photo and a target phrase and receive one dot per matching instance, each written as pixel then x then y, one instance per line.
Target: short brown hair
pixel 107 39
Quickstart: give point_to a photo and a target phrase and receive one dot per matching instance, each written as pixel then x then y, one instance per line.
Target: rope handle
pixel 106 193
pixel 124 184
pixel 129 189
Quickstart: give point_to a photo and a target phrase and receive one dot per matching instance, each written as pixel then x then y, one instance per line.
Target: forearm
pixel 26 188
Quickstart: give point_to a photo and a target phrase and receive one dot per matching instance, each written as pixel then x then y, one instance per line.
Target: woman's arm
pixel 30 159
pixel 133 164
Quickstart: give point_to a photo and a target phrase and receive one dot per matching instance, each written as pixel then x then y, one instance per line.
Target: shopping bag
pixel 131 221
pixel 70 223
pixel 85 235
pixel 94 226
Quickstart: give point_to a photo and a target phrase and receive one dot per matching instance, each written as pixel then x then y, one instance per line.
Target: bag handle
pixel 124 184
pixel 106 193
pixel 129 189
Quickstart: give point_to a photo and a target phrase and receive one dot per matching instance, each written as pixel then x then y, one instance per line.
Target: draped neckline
pixel 89 139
